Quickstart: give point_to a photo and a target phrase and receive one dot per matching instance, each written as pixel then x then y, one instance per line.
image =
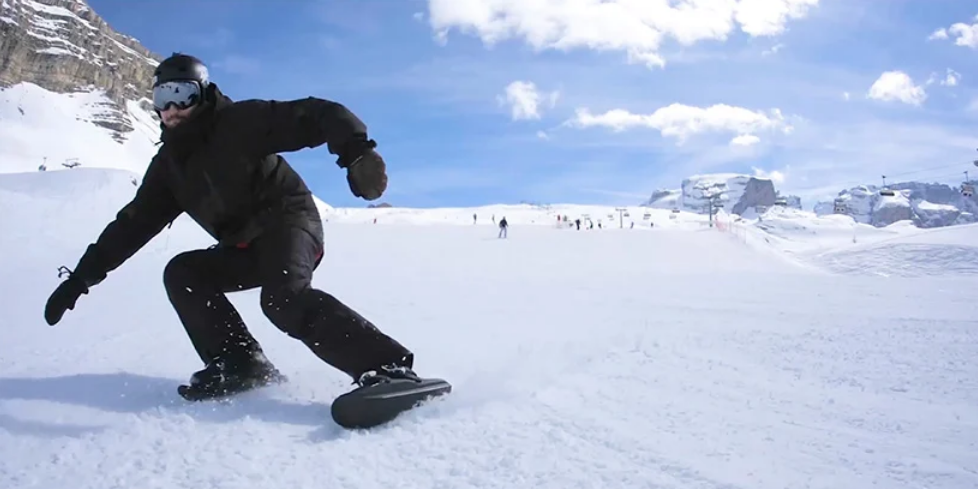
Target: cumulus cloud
pixel 745 140
pixel 775 176
pixel 525 100
pixel 951 79
pixel 773 50
pixel 682 121
pixel 897 86
pixel 634 27
pixel 965 35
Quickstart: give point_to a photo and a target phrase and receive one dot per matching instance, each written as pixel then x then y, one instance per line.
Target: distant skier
pixel 503 227
pixel 219 164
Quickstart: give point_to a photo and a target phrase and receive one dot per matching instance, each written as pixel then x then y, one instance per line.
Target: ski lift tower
pixel 621 213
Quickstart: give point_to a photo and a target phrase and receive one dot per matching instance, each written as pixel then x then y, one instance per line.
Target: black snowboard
pixel 374 405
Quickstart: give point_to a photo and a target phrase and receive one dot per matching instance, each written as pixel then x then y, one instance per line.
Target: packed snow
pixel 676 356
pixel 31 116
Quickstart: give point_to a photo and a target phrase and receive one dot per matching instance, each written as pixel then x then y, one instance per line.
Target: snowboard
pixel 373 405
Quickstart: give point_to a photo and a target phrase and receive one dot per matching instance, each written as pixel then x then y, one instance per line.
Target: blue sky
pixel 630 96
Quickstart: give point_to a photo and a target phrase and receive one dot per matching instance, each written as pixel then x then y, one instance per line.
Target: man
pixel 219 164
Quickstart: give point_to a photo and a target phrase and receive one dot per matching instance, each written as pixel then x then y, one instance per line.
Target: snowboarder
pixel 219 163
pixel 503 227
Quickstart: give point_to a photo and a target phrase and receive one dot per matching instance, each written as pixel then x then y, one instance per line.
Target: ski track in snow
pixel 666 359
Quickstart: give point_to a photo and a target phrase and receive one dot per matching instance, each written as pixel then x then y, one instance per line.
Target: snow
pixel 668 357
pixel 930 206
pixel 37 125
pixel 898 199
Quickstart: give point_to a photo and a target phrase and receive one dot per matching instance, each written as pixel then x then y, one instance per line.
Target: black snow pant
pixel 281 262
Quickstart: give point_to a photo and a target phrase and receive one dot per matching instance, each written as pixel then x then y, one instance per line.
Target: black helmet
pixel 183 69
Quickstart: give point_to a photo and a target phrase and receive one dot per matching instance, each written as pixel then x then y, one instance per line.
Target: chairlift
pixel 626 214
pixel 781 202
pixel 839 207
pixel 967 189
pixel 885 191
pixel 646 216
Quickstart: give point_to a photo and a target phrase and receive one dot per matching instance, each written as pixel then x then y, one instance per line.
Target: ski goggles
pixel 181 94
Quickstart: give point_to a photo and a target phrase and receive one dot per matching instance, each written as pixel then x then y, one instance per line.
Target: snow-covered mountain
pixel 73 91
pixel 733 192
pixel 925 204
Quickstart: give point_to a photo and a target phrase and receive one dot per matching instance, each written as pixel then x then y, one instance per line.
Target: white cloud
pixel 745 140
pixel 635 27
pixel 773 50
pixel 964 34
pixel 951 79
pixel 846 96
pixel 775 176
pixel 682 121
pixel 897 86
pixel 524 100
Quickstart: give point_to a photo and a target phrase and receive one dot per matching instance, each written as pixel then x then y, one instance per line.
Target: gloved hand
pixel 63 299
pixel 367 176
pixel 366 171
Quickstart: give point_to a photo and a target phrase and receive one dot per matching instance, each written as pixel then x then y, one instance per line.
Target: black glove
pixel 64 298
pixel 366 171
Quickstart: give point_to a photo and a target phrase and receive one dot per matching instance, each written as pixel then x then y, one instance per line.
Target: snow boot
pixel 386 374
pixel 231 374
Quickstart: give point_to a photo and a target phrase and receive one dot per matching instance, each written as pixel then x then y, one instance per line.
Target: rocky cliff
pixel 925 204
pixel 63 46
pixel 736 193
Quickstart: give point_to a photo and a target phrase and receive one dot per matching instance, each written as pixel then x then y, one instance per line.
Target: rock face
pixel 927 205
pixel 664 199
pixel 737 193
pixel 757 193
pixel 63 46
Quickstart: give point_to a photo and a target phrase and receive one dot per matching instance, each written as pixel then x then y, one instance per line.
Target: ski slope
pixel 673 357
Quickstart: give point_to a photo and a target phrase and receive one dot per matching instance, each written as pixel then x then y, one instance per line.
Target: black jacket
pixel 221 167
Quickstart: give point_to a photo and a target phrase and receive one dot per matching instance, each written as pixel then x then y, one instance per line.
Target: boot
pixel 231 374
pixel 387 374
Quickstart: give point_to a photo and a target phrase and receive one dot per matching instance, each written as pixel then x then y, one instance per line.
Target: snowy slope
pixel 671 359
pixel 942 251
pixel 38 126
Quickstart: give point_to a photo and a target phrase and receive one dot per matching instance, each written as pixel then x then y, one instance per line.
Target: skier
pixel 219 164
pixel 503 227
